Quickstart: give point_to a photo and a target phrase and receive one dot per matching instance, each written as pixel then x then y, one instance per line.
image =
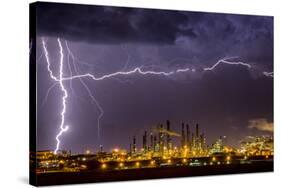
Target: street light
pixel 228 158
pixel 121 165
pixel 103 166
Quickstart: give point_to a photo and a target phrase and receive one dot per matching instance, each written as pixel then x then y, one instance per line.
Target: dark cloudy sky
pixel 109 39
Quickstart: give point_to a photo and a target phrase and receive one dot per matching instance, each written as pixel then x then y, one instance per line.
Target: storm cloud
pixel 104 24
pixel 106 39
pixel 112 24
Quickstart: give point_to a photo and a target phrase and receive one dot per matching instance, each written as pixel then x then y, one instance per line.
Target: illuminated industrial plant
pixel 158 149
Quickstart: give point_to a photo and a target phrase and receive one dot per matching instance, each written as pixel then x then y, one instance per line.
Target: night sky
pixel 231 100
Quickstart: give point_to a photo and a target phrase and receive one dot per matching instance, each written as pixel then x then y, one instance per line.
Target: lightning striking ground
pixel 63 127
pixel 137 70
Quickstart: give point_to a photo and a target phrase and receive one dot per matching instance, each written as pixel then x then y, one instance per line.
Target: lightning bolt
pixel 48 60
pixel 63 127
pixel 135 70
pixel 138 70
pixel 225 61
pixel 47 93
pixel 183 70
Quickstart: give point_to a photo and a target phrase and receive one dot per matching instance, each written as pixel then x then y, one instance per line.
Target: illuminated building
pixel 217 147
pixel 258 145
pixel 47 154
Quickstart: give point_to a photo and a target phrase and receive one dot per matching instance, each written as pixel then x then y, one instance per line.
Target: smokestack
pixel 197 131
pixel 134 145
pixel 159 134
pixel 192 140
pixel 154 143
pixel 182 135
pixel 202 141
pixel 197 139
pixel 168 125
pixel 169 144
pixel 161 139
pixel 187 135
pixel 151 141
pixel 144 139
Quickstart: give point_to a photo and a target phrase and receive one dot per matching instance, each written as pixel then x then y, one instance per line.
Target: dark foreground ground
pixel 149 173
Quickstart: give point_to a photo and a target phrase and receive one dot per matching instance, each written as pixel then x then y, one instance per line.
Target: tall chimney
pixel 144 141
pixel 161 138
pixel 154 142
pixel 169 144
pixel 192 141
pixel 197 131
pixel 134 145
pixel 188 143
pixel 151 141
pixel 182 136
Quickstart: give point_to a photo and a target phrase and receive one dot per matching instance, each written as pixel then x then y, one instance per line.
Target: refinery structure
pixel 159 149
pixel 159 143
